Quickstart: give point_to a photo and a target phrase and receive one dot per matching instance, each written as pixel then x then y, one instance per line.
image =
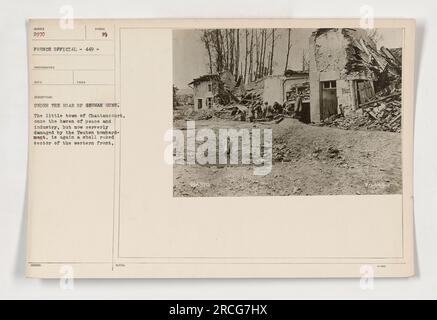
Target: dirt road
pixel 307 160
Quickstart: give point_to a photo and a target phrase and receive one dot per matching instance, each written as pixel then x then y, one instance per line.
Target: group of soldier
pixel 267 111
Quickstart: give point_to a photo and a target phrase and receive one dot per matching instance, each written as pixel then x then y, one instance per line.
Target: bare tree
pixel 246 35
pixel 272 52
pixel 207 41
pixel 257 54
pixel 225 52
pixel 251 57
pixel 227 49
pixel 231 50
pixel 263 53
pixel 237 55
pixel 218 45
pixel 288 50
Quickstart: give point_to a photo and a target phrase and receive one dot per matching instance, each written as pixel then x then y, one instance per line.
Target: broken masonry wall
pixel 328 59
pixel 291 87
pixel 273 90
pixel 331 51
pixel 345 94
pixel 314 79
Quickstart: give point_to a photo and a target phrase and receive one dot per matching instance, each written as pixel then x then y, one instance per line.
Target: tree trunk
pixel 260 56
pixel 251 57
pixel 207 41
pixel 272 52
pixel 257 56
pixel 218 48
pixel 227 49
pixel 288 50
pixel 263 54
pixel 237 55
pixel 246 33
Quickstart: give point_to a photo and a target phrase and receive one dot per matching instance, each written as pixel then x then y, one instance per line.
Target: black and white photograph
pixel 218 160
pixel 282 112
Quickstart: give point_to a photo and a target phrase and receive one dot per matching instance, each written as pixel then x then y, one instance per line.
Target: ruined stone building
pixel 342 72
pixel 211 88
pixel 345 70
pixel 277 88
pixel 205 88
pixel 340 76
pixel 282 88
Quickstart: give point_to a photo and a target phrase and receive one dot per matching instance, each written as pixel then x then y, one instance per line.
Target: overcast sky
pixel 190 58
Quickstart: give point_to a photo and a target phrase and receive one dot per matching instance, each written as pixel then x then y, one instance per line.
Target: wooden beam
pixel 379 100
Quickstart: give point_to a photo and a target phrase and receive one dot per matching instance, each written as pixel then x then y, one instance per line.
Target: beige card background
pixel 109 212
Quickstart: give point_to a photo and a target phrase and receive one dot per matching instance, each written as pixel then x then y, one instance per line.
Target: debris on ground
pixel 383 113
pixel 254 94
pixel 306 160
pixel 304 91
pixel 200 115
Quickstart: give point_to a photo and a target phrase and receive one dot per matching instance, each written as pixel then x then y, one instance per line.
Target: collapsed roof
pixel 362 55
pixel 206 77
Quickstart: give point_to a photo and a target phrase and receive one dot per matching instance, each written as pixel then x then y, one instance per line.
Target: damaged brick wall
pixel 329 51
pixel 333 57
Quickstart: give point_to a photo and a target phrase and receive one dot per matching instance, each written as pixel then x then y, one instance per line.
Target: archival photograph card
pixel 220 148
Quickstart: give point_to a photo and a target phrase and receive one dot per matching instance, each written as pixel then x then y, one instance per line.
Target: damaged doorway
pixel 306 113
pixel 364 91
pixel 329 99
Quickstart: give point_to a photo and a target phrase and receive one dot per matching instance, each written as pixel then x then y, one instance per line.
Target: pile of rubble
pixel 232 111
pixel 253 95
pixel 364 58
pixel 282 153
pixel 385 113
pixel 305 90
pixel 238 110
pixel 190 114
pixel 382 113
